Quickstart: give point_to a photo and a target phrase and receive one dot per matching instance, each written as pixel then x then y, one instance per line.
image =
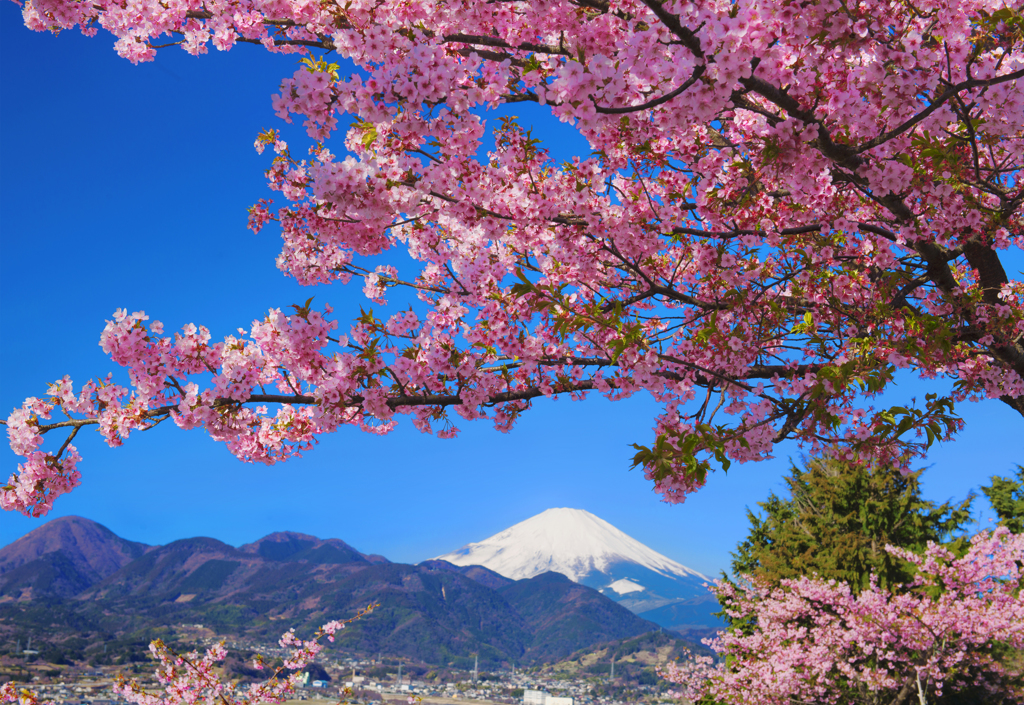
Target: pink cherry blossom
pixel 816 641
pixel 194 679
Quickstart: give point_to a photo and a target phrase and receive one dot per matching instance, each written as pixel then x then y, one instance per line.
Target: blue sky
pixel 125 186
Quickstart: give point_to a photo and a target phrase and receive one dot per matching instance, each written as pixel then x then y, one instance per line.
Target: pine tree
pixel 837 521
pixel 1007 498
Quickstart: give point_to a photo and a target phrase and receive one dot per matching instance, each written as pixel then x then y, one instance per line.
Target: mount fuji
pixel 592 552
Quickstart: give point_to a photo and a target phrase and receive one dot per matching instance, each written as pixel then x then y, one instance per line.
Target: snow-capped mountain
pixel 590 551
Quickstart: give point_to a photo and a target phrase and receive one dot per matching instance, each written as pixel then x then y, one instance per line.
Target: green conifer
pixel 837 521
pixel 1007 498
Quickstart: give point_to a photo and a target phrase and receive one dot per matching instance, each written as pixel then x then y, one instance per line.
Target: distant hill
pixel 565 616
pixel 289 546
pixel 484 576
pixel 435 612
pixel 63 557
pixel 644 651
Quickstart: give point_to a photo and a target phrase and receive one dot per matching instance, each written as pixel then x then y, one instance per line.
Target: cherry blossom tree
pixel 817 641
pixel 786 204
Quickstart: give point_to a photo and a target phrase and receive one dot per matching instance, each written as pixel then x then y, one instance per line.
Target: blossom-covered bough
pixel 814 641
pixel 786 203
pixel 191 679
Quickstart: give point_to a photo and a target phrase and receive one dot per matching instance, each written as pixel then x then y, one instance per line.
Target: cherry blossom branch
pixel 191 678
pixel 933 105
pixel 482 40
pixel 654 102
pixel 741 242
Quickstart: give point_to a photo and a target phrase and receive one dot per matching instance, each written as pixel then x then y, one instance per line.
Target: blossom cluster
pixel 784 205
pixel 192 679
pixel 9 693
pixel 43 476
pixel 816 641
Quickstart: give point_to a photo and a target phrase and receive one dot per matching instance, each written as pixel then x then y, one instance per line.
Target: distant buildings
pixel 539 697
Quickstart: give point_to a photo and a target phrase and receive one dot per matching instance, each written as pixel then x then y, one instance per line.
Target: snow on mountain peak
pixel 624 587
pixel 573 542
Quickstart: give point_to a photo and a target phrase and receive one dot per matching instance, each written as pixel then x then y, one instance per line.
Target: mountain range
pixel 74 577
pixel 592 552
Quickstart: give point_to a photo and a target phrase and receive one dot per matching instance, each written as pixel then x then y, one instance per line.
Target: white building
pixel 534 697
pixel 539 697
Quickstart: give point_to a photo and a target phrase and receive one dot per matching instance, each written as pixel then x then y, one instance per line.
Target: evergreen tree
pixel 837 521
pixel 1007 498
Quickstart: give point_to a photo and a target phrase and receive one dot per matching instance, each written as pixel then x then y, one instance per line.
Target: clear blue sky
pixel 125 186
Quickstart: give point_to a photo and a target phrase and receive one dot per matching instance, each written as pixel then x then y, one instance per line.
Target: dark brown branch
pixel 796 230
pixel 659 290
pixel 491 56
pixel 725 235
pixel 793 417
pixel 698 72
pixel 502 398
pixel 72 423
pixel 67 441
pixel 937 103
pixel 704 378
pixel 687 37
pixel 321 44
pixel 839 153
pixel 992 278
pixel 501 44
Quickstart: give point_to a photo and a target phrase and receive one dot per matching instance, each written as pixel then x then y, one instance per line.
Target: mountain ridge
pixel 433 612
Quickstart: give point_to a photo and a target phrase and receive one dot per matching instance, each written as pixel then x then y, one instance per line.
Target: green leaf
pixel 303 311
pixel 369 136
pixel 531 64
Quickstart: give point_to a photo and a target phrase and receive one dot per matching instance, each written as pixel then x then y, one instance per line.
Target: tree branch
pixel 697 73
pixel 936 104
